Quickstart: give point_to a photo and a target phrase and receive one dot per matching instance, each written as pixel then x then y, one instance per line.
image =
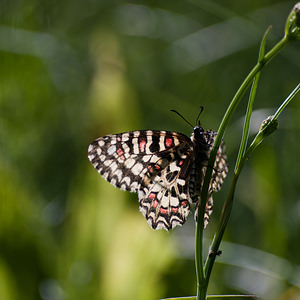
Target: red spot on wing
pixel 169 142
pixel 150 168
pixel 152 196
pixel 174 209
pixel 120 152
pixel 163 210
pixel 142 144
pixel 155 203
pixel 180 163
pixel 184 203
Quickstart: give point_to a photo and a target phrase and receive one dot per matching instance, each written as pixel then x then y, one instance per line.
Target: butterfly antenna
pixel 198 117
pixel 176 112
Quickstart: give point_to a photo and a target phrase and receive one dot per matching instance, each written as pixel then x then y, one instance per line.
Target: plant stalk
pixel 203 273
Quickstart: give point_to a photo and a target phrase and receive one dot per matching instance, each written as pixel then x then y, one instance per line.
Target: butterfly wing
pixel 219 173
pixel 153 163
pixel 164 198
pixel 220 169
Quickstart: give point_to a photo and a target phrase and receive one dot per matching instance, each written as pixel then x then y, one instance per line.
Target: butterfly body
pixel 165 168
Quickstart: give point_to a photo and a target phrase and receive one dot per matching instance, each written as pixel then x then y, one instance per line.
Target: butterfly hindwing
pixel 164 199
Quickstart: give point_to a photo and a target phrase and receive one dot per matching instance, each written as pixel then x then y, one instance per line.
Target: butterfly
pixel 165 168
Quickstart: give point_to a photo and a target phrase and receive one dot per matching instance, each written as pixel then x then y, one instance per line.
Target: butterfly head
pixel 197 133
pixel 198 129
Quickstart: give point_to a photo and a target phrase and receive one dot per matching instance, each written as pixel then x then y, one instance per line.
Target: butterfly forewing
pixel 159 166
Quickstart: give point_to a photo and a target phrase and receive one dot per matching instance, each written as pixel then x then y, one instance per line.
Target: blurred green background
pixel 71 71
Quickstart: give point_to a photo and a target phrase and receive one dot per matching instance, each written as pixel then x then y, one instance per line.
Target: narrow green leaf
pixel 231 296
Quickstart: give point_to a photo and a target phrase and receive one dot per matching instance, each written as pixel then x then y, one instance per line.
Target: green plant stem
pixel 203 275
pixel 250 102
pixel 199 260
pixel 239 94
pixel 287 101
pixel 247 122
pixel 221 227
